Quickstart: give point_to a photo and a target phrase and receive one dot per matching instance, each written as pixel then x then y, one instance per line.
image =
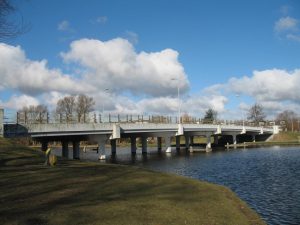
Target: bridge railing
pixel 44 118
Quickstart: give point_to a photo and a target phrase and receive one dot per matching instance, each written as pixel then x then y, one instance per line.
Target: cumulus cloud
pixel 18 102
pixel 268 85
pixel 33 77
pixel 115 64
pixel 286 24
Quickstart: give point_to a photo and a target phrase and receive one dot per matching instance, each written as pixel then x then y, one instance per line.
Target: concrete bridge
pixel 101 133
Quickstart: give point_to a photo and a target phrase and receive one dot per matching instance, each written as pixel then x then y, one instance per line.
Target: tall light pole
pixel 238 96
pixel 105 91
pixel 178 97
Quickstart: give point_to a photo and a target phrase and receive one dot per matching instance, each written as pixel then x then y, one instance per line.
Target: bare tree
pixel 33 114
pixel 8 28
pixel 84 105
pixel 66 106
pixel 289 118
pixel 256 114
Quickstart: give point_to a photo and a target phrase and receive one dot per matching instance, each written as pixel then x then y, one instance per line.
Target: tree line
pixel 69 108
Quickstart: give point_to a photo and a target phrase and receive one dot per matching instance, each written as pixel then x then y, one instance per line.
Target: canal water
pixel 268 179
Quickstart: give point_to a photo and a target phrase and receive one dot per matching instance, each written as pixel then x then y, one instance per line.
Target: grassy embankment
pixel 90 193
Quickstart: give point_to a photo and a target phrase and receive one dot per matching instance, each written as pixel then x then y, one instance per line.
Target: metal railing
pixel 54 118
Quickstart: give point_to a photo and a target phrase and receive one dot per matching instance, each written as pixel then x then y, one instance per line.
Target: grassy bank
pixel 92 193
pixel 286 137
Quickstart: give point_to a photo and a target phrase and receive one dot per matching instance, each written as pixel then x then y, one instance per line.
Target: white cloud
pixel 18 102
pixel 285 9
pixel 268 85
pixel 132 37
pixel 116 65
pixel 101 19
pixel 286 24
pixel 65 26
pixel 293 37
pixel 33 77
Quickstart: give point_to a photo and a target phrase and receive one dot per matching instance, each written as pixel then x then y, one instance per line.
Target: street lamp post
pixel 105 91
pixel 178 97
pixel 238 96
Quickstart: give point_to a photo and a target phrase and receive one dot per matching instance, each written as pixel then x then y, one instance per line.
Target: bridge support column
pixel 253 137
pixel 177 142
pixel 65 149
pixel 216 140
pixel 133 145
pixel 76 149
pixel 168 144
pixel 144 145
pixel 187 142
pixel 208 143
pixel 191 140
pixel 113 144
pixel 44 145
pixel 101 147
pixel 159 144
pixel 234 139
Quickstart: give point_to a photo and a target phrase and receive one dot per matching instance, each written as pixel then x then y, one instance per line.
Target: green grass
pixel 93 193
pixel 286 137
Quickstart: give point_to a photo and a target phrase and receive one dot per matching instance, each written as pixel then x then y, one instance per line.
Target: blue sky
pixel 215 48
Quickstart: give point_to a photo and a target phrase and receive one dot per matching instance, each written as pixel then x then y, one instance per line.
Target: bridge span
pixel 101 133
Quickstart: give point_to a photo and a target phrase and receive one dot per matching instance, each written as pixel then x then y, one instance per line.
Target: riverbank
pixel 75 192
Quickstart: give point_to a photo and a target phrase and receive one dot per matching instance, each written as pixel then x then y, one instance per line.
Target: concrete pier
pixel 113 144
pixel 187 142
pixel 76 150
pixel 133 145
pixel 101 147
pixel 65 149
pixel 44 145
pixel 177 142
pixel 208 143
pixel 144 145
pixel 216 140
pixel 159 144
pixel 168 144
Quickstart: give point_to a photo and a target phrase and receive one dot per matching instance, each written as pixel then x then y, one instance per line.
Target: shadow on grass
pixel 89 193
